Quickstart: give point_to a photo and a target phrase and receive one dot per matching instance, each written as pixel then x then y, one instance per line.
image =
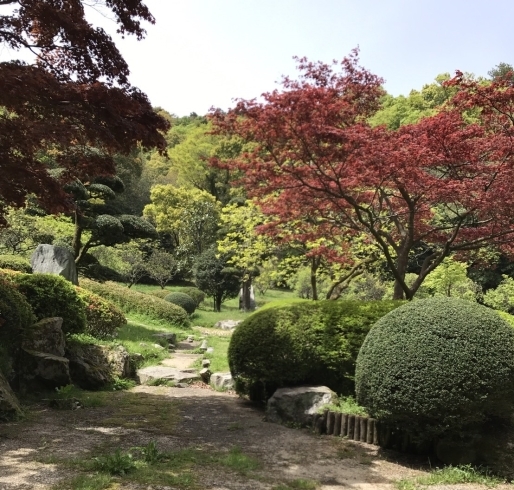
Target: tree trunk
pixel 217 303
pixel 77 237
pixel 247 303
pixel 315 262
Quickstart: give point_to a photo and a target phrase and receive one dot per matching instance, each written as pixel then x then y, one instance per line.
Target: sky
pixel 206 53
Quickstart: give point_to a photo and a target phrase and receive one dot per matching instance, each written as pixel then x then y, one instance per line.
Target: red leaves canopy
pixel 75 97
pixel 444 184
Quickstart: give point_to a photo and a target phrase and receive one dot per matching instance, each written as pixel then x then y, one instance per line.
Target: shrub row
pixel 194 293
pixel 103 318
pixel 132 301
pixel 15 263
pixel 311 342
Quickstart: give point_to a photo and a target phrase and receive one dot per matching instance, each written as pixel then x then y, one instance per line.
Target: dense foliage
pixel 15 263
pixel 102 316
pixel 15 316
pixel 195 293
pixel 50 296
pixel 132 301
pixel 437 366
pixel 183 300
pixel 74 96
pixel 301 343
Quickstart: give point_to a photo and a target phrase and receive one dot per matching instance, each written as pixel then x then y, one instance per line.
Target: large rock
pixel 94 366
pixel 48 259
pixel 41 371
pixel 299 404
pixel 222 381
pixel 45 336
pixel 9 406
pixel 227 324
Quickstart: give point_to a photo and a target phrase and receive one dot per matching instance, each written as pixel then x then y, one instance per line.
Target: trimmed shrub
pixel 50 295
pixel 311 342
pixel 15 316
pixel 195 293
pixel 183 300
pixel 159 293
pixel 103 317
pixel 438 367
pixel 15 263
pixel 132 301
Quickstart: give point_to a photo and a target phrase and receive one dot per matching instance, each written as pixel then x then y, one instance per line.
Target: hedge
pixel 15 263
pixel 132 301
pixel 104 318
pixel 312 342
pixel 50 295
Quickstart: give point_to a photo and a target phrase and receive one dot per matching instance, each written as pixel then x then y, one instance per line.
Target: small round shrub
pixel 15 316
pixel 183 300
pixel 15 263
pixel 308 342
pixel 50 295
pixel 195 293
pixel 102 316
pixel 438 367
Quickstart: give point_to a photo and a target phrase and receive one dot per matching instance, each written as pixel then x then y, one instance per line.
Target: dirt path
pixel 212 436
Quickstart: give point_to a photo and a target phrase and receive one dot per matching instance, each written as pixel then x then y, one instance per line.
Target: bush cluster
pixel 103 317
pixel 194 293
pixel 51 295
pixel 15 316
pixel 132 301
pixel 437 367
pixel 301 343
pixel 15 263
pixel 183 300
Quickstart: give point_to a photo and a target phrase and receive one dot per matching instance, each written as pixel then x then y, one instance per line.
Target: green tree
pixel 189 216
pixel 214 276
pixel 94 215
pixel 161 267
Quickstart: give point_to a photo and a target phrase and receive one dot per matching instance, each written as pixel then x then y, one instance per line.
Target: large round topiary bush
pixel 50 295
pixel 183 300
pixel 437 368
pixel 195 293
pixel 309 342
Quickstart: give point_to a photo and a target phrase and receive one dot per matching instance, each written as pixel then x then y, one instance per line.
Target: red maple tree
pixel 440 186
pixel 74 102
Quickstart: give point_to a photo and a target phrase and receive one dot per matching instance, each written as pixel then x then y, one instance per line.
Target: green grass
pixel 299 484
pixel 345 405
pixel 219 360
pixel 149 466
pixel 450 475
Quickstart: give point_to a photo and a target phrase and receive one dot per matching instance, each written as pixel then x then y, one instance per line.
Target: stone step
pixel 165 373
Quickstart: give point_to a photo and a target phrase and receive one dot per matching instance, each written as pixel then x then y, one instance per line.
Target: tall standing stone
pixel 48 259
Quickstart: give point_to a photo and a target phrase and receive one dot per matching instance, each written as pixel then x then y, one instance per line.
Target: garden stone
pixel 206 363
pixel 45 336
pixel 222 381
pixel 153 373
pixel 298 404
pixel 170 337
pixel 48 259
pixel 205 374
pixel 9 405
pixel 41 371
pixel 94 366
pixel 158 346
pixel 209 350
pixel 227 324
pixel 204 345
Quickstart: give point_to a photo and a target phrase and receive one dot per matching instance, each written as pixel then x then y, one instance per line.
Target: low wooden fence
pixel 354 427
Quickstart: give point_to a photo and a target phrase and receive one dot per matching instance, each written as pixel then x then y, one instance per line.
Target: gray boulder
pixel 157 374
pixel 9 406
pixel 227 324
pixel 45 336
pixel 42 371
pixel 298 404
pixel 222 381
pixel 94 366
pixel 48 259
